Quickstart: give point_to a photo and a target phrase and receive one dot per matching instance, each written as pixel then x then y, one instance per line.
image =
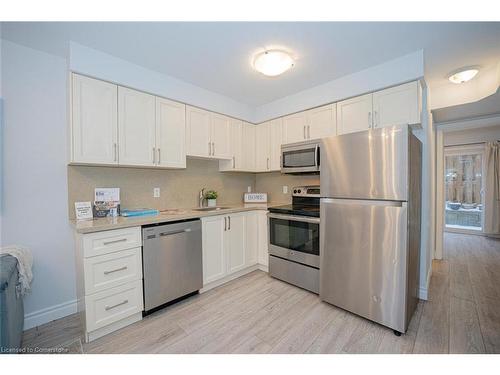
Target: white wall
pixel 403 69
pixel 35 184
pixel 451 138
pixel 101 65
pixel 426 136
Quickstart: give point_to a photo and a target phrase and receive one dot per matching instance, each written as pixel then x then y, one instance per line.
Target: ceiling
pixel 217 56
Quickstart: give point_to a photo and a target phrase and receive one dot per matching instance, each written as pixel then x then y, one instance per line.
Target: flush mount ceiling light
pixel 463 75
pixel 273 62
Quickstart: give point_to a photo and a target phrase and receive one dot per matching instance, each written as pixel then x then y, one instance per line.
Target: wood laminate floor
pixel 259 314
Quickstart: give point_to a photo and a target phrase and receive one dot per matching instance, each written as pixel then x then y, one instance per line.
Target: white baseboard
pixel 263 268
pixel 423 292
pixel 37 318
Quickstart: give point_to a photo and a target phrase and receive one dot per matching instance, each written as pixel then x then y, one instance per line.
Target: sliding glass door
pixel 463 184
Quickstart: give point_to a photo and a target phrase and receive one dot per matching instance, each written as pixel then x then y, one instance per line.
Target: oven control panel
pixel 306 191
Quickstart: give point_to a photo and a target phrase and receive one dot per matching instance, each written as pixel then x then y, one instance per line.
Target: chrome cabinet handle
pixel 225 223
pixel 213 148
pixel 114 152
pixel 369 119
pixel 159 156
pixel 308 131
pixel 154 155
pixel 114 241
pixel 267 163
pixel 374 119
pixel 229 225
pixel 116 270
pixel 234 163
pixel 304 132
pixel 118 304
pixel 209 148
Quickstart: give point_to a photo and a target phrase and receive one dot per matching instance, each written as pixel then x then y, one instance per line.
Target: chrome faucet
pixel 201 198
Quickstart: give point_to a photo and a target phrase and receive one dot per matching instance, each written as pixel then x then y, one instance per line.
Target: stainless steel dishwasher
pixel 172 262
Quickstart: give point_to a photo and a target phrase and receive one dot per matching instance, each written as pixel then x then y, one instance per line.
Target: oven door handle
pixel 305 219
pixel 316 156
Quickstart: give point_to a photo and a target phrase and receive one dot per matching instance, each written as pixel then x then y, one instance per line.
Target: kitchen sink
pixel 211 208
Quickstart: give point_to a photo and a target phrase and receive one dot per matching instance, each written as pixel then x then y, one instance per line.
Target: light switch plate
pixel 285 189
pixel 156 193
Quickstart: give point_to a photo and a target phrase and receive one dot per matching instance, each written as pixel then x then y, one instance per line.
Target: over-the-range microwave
pixel 300 157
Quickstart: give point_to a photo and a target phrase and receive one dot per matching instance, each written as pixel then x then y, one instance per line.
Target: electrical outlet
pixel 285 189
pixel 249 189
pixel 156 193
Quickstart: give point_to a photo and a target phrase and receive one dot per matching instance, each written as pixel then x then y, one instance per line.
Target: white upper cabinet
pixel 93 121
pixel 220 136
pixel 170 134
pixel 322 122
pixel 276 137
pixel 198 132
pixel 312 124
pixel 263 147
pixel 354 114
pixel 393 106
pixel 136 127
pixel 208 134
pixel 235 145
pixel 397 106
pixel 269 137
pixel 249 146
pixel 294 128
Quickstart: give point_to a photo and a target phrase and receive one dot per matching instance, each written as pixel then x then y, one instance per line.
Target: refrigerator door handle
pixel 365 202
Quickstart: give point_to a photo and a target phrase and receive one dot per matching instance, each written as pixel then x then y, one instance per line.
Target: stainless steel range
pixel 294 239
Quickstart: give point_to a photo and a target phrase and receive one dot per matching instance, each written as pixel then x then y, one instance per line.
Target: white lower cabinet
pixel 262 239
pixel 231 243
pixel 109 280
pixel 213 238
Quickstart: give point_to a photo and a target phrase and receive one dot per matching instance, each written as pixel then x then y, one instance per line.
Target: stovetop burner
pixel 305 202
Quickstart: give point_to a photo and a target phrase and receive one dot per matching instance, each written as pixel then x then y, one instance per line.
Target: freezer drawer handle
pixel 116 270
pixel 175 232
pixel 107 308
pixel 115 241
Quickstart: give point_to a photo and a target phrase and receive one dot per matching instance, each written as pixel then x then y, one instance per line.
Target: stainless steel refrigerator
pixel 370 224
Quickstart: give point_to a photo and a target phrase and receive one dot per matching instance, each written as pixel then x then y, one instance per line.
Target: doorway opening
pixel 463 188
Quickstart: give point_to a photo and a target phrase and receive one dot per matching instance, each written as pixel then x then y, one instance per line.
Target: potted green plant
pixel 211 197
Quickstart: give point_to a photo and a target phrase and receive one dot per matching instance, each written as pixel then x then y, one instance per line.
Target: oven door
pixel 295 238
pixel 300 158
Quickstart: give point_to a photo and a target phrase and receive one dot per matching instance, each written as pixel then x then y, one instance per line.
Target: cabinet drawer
pixel 110 270
pixel 112 305
pixel 110 241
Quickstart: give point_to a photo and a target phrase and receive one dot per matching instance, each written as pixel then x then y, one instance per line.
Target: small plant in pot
pixel 211 197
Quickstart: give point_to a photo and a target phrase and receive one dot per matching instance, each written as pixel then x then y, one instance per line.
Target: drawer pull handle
pixel 118 304
pixel 115 241
pixel 118 269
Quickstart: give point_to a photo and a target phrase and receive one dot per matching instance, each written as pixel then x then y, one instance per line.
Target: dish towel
pixel 24 265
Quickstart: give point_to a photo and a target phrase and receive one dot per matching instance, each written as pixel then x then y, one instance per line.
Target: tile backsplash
pixel 179 188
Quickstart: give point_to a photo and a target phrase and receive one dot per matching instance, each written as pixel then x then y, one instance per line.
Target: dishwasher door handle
pixel 175 232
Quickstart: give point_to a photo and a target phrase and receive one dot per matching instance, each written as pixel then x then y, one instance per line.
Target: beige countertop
pixel 165 216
